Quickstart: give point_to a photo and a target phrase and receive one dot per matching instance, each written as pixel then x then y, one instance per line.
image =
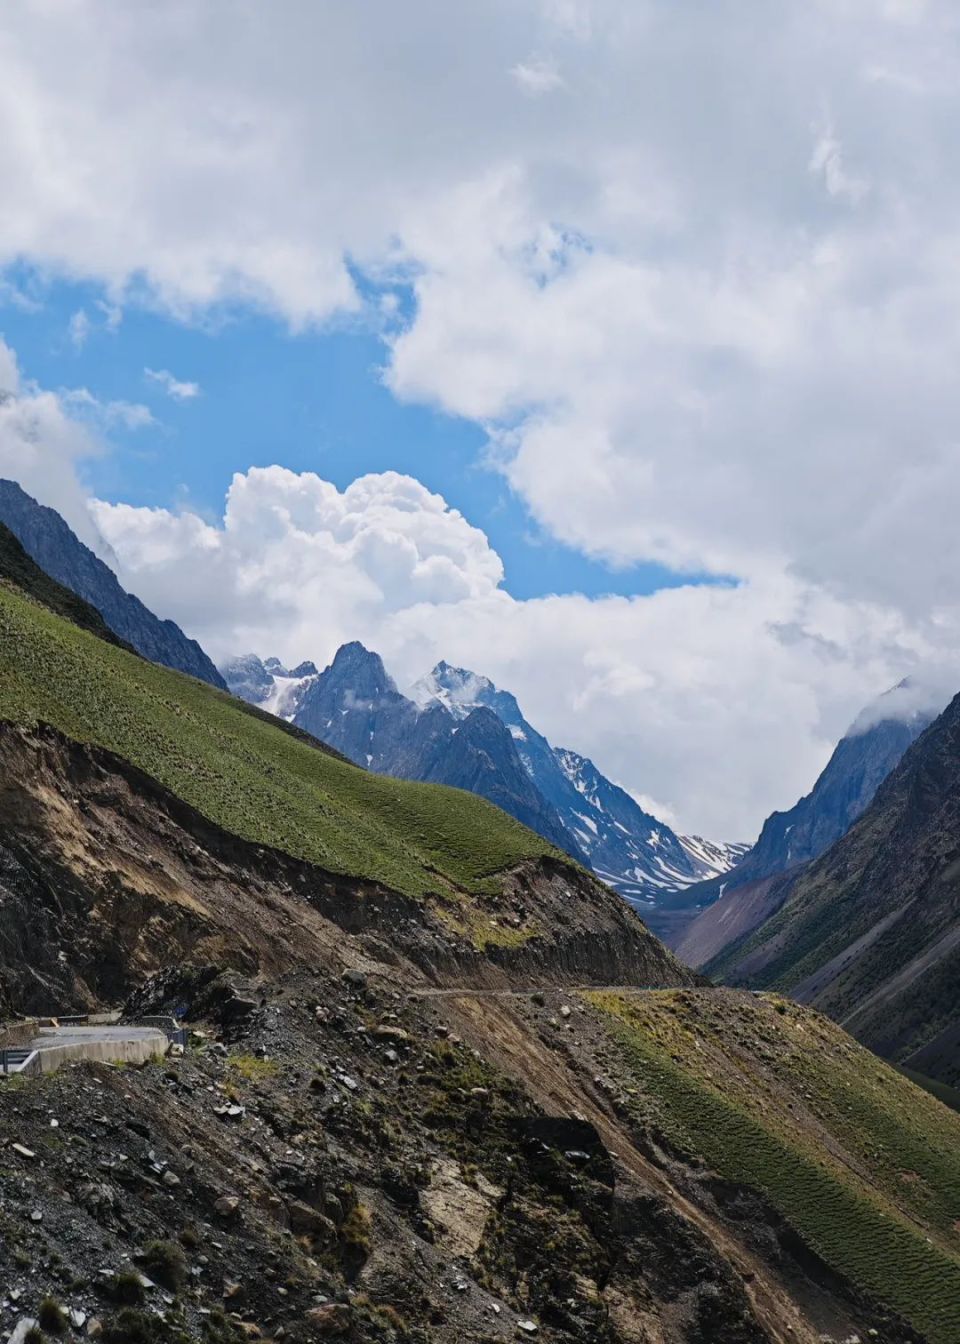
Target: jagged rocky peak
pixel 268 684
pixel 247 677
pixel 277 669
pixel 633 851
pixel 456 688
pixel 362 670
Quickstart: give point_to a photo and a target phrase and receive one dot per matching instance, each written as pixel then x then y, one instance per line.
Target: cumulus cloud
pixel 175 388
pixel 297 563
pixel 717 703
pixel 41 445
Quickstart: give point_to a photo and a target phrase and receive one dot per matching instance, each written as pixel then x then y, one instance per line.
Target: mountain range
pixel 441 1085
pixel 458 728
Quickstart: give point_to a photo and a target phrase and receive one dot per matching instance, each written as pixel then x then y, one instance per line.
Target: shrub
pixel 133 1327
pixel 165 1262
pixel 126 1288
pixel 51 1317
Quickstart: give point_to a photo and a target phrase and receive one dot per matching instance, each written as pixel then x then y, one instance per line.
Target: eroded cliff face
pixel 106 877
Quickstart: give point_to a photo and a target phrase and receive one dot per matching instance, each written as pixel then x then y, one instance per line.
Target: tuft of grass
pixel 355 1237
pixel 252 1068
pixel 126 1288
pixel 51 1317
pixel 245 772
pixel 861 1163
pixel 166 1264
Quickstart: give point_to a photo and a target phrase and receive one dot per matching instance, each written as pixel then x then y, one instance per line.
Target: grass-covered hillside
pixel 240 769
pixel 860 1162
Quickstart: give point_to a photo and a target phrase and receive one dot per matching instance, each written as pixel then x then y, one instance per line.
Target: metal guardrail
pixel 18 1061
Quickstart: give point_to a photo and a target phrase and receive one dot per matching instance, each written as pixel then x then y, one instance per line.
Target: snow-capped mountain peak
pixel 355 705
pixel 628 848
pixel 268 684
pixel 456 688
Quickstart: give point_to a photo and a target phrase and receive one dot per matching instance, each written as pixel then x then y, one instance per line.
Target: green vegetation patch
pixel 865 1166
pixel 245 772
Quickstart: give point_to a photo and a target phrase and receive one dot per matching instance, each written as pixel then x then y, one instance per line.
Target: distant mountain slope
pixel 860 762
pixel 632 851
pixel 870 932
pixel 355 707
pixel 50 542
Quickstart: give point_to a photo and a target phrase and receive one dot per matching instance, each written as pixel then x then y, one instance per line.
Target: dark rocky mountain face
pixel 857 768
pixel 49 541
pixel 355 706
pixel 458 728
pixel 247 677
pixel 870 932
pixel 638 855
pixel 789 840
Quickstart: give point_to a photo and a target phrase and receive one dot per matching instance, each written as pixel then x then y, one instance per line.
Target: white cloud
pixel 9 371
pixel 107 414
pixel 174 387
pixel 720 702
pixel 697 330
pixel 924 693
pixel 826 161
pixel 536 76
pixel 41 445
pixel 111 313
pixel 78 329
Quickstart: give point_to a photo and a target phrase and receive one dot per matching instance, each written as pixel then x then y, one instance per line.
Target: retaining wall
pixel 112 1052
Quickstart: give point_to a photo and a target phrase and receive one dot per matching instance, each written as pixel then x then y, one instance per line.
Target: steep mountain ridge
pixel 50 542
pixel 355 706
pixel 635 853
pixel 564 797
pixel 870 932
pixel 864 756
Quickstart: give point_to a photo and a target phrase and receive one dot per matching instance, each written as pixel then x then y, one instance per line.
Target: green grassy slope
pixel 18 568
pixel 773 1096
pixel 244 771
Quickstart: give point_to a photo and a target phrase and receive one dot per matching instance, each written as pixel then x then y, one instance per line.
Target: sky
pixel 606 347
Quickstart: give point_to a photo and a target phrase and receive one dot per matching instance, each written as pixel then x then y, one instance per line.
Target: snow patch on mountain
pixel 268 684
pixel 627 847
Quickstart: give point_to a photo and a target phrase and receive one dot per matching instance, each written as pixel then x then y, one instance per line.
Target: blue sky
pixel 692 268
pixel 313 401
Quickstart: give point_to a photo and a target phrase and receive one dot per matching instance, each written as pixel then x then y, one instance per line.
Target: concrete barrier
pixel 113 1046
